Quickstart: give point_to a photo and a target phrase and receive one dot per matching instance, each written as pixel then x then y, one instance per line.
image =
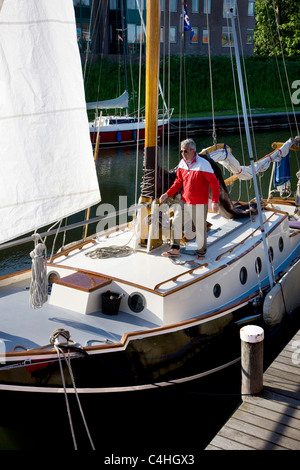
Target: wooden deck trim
pixel 83 281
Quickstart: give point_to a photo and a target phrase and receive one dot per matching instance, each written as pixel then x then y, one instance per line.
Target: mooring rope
pixel 59 347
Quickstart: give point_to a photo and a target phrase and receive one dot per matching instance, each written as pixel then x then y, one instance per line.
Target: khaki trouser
pixel 184 215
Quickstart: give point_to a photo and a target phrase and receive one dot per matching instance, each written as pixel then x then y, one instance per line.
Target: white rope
pixel 64 336
pixel 39 281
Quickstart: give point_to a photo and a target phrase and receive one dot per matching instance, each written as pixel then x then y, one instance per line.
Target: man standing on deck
pixel 194 176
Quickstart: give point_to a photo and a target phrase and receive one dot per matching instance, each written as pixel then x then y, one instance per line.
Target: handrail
pixel 174 279
pixel 30 238
pixel 243 241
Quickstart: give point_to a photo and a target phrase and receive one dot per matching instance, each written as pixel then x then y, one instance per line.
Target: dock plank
pixel 271 420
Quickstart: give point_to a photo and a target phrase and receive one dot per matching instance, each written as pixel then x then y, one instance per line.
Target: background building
pixel 106 26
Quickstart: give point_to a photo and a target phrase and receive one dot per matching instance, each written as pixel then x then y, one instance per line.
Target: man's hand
pixel 215 207
pixel 163 197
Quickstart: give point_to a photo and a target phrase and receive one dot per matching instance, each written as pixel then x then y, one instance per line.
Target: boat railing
pixel 69 227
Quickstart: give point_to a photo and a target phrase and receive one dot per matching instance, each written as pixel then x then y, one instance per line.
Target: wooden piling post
pixel 252 359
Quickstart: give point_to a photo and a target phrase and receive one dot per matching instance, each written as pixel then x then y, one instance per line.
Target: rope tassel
pixel 39 281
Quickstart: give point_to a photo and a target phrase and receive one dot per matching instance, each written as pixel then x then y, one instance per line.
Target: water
pixel 179 420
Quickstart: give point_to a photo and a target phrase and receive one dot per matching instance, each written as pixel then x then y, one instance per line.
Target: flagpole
pixel 124 48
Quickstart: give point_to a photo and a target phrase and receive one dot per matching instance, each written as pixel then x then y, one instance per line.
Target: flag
pixel 120 37
pixel 187 23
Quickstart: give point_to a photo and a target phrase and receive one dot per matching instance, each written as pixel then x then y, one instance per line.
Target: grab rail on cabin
pixel 174 279
pixel 243 241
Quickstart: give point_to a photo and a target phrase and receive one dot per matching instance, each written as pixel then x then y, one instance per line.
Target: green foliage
pixel 277 28
pixel 192 95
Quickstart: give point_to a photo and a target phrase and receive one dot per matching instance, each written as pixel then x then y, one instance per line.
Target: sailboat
pixel 108 313
pixel 123 128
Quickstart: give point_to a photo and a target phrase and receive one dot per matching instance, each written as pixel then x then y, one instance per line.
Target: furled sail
pixel 223 155
pixel 120 102
pixel 47 165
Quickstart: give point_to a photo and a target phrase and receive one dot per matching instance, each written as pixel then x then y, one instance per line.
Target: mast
pixel 249 144
pixel 148 234
pixel 152 72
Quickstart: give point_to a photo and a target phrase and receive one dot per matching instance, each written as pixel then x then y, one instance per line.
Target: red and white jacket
pixel 195 179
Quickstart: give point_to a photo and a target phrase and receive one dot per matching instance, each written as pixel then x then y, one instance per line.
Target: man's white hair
pixel 190 143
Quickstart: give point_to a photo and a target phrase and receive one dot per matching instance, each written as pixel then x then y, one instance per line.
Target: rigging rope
pixel 214 133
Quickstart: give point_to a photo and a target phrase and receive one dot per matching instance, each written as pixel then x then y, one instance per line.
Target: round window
pixel 258 265
pixel 243 275
pixel 217 290
pixel 52 277
pixel 271 254
pixel 280 244
pixel 136 302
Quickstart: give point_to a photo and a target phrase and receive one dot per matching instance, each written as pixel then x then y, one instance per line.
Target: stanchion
pixel 252 359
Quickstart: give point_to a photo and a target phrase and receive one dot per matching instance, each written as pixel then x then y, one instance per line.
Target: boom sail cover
pixel 47 165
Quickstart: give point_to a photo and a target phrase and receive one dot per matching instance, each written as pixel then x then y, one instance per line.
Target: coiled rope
pixel 39 281
pixel 110 251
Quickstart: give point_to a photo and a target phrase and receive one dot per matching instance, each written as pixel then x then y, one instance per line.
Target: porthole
pixel 271 254
pixel 280 244
pixel 243 275
pixel 217 290
pixel 136 302
pixel 258 265
pixel 52 277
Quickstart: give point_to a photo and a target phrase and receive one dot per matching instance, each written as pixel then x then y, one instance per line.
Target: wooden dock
pixel 270 420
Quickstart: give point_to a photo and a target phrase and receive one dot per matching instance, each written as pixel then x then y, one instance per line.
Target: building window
pixel 195 6
pixel 249 38
pixel 206 6
pixel 131 5
pixel 227 37
pixel 83 37
pixel 86 3
pixel 227 5
pixel 205 36
pixel 173 34
pixel 195 36
pixel 135 37
pixel 172 5
pixel 251 8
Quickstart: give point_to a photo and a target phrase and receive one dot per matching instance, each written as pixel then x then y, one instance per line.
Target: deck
pixel 270 421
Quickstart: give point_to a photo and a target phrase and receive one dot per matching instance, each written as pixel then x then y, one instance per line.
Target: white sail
pixel 47 167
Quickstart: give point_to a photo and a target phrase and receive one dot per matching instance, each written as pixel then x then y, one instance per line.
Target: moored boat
pixel 120 317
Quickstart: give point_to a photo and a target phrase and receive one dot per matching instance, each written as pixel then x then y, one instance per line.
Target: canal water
pixel 175 420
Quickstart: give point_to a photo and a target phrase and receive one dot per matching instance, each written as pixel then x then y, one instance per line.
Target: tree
pixel 277 27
